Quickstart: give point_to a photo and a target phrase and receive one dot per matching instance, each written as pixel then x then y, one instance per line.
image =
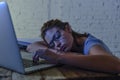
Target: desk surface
pixel 58 72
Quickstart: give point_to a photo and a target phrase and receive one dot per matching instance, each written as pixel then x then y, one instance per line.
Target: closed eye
pixel 57 35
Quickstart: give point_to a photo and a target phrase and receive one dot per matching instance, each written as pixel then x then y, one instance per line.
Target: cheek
pixel 66 39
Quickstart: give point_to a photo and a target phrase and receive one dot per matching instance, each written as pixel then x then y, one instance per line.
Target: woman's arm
pixel 98 59
pixel 36 45
pixel 102 63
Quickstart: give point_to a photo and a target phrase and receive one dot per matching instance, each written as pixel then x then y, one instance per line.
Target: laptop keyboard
pixel 29 63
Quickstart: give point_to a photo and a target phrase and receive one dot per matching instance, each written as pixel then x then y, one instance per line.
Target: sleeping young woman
pixel 62 45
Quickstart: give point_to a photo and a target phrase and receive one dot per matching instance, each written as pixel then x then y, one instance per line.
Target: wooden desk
pixel 58 73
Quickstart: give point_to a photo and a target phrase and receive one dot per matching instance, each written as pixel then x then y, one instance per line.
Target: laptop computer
pixel 10 56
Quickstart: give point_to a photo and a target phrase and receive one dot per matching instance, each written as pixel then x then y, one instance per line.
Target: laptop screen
pixel 9 52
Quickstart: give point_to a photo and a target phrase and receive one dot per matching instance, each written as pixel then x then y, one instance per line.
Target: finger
pixel 36 58
pixel 41 52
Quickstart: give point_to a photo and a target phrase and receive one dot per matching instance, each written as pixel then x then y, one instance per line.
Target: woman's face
pixel 58 39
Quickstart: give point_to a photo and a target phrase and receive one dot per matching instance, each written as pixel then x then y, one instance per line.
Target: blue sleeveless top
pixel 91 41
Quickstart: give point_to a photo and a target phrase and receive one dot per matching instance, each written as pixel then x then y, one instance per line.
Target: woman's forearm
pixel 35 46
pixel 95 62
pixel 103 63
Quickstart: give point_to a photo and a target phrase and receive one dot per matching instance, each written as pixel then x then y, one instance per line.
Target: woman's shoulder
pixel 91 41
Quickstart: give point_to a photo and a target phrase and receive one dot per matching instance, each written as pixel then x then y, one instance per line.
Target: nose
pixel 57 44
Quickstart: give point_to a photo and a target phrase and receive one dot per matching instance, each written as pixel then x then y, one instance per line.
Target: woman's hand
pixel 50 56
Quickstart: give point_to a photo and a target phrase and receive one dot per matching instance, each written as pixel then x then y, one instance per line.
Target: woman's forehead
pixel 50 33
